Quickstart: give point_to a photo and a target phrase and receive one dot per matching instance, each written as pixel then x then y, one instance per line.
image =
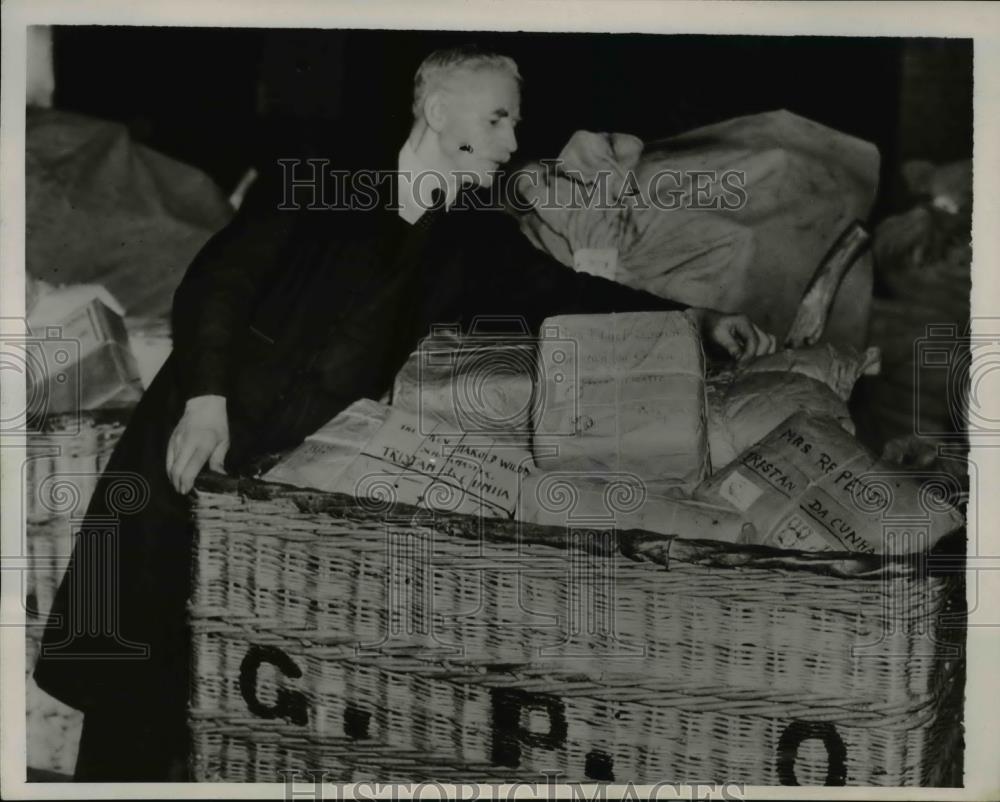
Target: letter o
pixel 788 751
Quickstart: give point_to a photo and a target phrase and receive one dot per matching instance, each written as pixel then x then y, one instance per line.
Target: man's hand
pixel 202 435
pixel 734 334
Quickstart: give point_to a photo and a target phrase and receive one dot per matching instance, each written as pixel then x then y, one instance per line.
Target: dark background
pixel 223 99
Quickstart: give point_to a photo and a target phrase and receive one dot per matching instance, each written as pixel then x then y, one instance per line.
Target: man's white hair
pixel 441 65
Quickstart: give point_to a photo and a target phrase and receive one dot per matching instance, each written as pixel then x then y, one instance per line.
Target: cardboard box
pixel 80 359
pixel 151 343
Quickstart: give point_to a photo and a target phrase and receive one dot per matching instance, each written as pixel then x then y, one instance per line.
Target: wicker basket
pixel 393 643
pixel 64 461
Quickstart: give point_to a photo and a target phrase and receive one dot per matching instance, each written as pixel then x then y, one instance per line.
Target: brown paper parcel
pixel 584 501
pixel 83 355
pixel 372 451
pixel 809 485
pixel 323 457
pixel 747 408
pixel 477 386
pixel 402 463
pixel 622 393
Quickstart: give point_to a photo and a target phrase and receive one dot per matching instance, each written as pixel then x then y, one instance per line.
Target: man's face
pixel 482 109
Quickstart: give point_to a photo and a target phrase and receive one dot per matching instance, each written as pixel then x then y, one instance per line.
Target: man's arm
pixel 212 308
pixel 212 304
pixel 522 280
pixel 527 282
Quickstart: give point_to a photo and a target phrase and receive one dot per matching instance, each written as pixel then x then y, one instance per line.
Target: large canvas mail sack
pixel 774 193
pixel 622 393
pixel 480 387
pixel 103 209
pixel 809 485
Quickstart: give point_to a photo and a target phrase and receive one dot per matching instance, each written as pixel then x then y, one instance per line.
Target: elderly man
pixel 466 108
pixel 282 320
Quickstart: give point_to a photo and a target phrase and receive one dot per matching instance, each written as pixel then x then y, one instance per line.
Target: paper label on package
pixel 440 471
pixel 601 262
pixel 796 531
pixel 740 491
pixel 844 528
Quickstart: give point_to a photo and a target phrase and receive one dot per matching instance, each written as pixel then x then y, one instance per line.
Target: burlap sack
pixel 746 402
pixel 104 209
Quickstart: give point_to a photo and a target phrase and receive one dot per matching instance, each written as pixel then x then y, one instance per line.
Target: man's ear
pixel 436 110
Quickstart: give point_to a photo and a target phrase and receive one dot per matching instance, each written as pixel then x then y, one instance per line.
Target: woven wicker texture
pixel 667 658
pixel 451 721
pixel 64 461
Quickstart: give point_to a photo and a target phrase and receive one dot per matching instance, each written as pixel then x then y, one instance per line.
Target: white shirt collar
pixel 410 166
